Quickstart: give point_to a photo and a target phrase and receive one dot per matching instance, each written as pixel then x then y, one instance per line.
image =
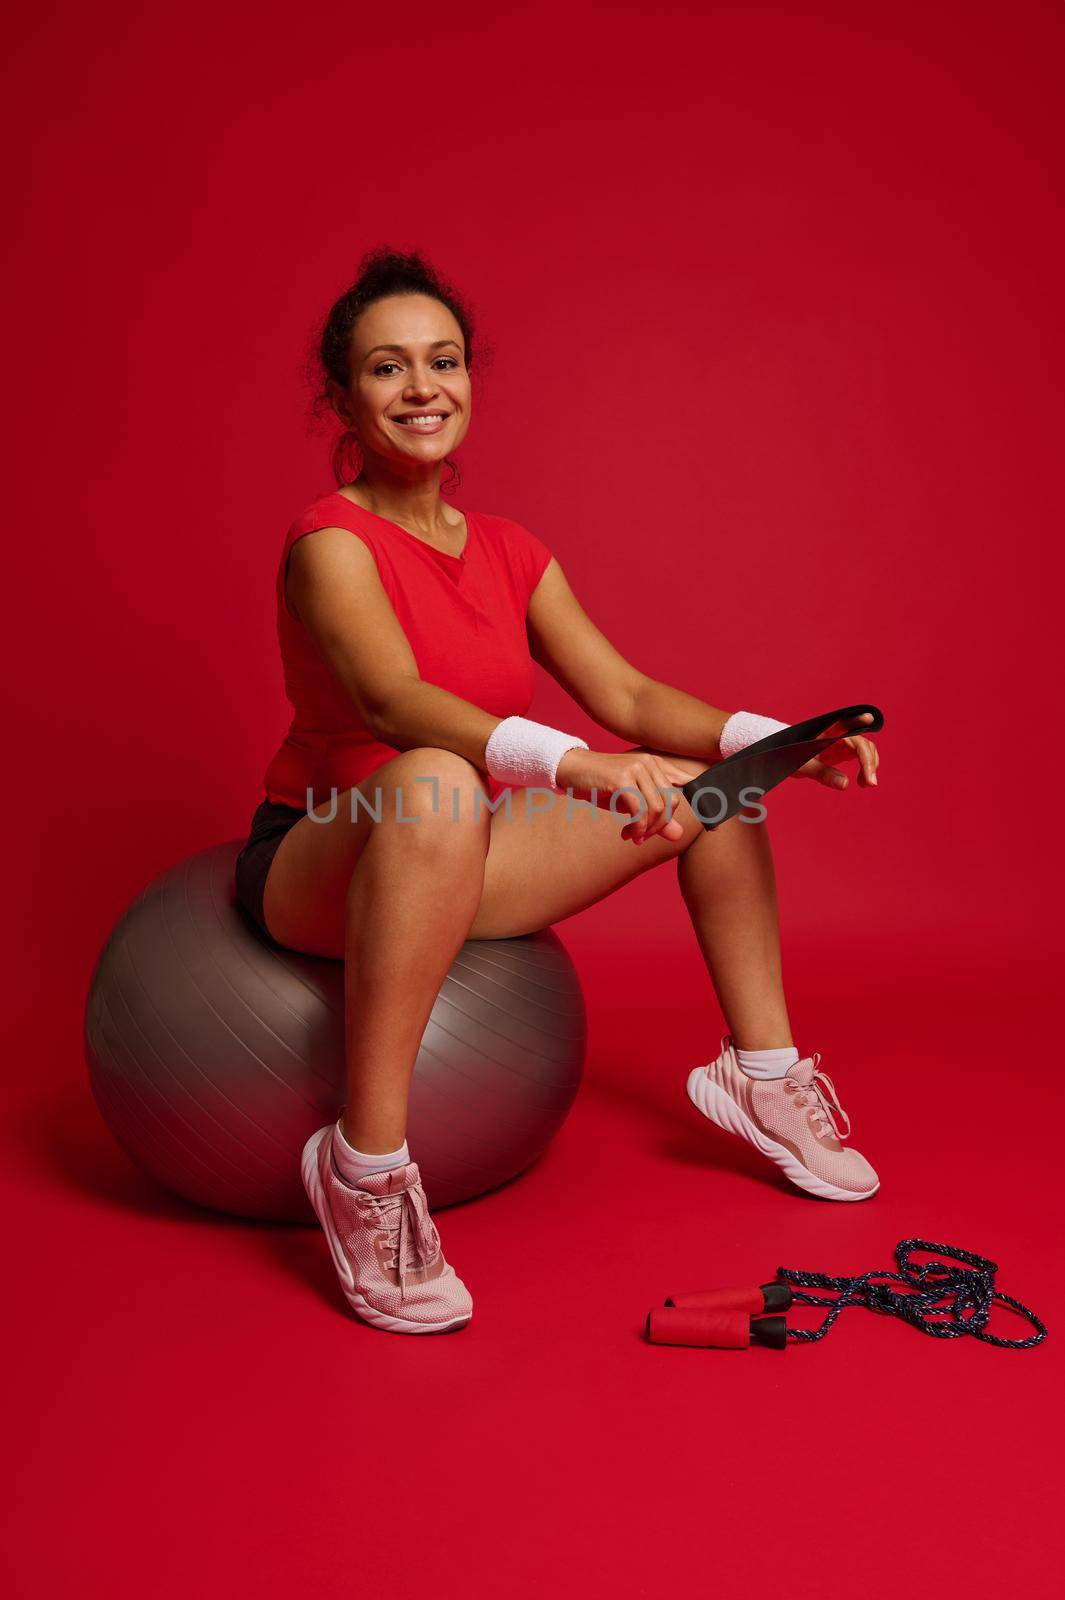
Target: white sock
pixel 767 1063
pixel 353 1164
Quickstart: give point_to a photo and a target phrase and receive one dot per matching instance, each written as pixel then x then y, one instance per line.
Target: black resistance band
pixel 741 780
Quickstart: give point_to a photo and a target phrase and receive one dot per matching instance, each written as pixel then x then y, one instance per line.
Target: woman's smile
pixel 423 421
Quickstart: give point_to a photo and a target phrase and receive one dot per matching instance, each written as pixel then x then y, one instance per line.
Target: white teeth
pixel 421 422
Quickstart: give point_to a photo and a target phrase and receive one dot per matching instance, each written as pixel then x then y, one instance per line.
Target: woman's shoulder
pixel 500 518
pixel 518 543
pixel 505 527
pixel 334 510
pixel 330 510
pixel 326 510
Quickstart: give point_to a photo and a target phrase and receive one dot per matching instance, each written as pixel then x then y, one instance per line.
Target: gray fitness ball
pixel 213 1056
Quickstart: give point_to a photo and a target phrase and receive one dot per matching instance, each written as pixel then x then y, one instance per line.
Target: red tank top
pixel 464 617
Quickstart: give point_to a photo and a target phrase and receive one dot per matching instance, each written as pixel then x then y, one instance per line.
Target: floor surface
pixel 197 1414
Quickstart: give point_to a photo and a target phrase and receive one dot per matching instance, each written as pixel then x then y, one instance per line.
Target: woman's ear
pixel 340 400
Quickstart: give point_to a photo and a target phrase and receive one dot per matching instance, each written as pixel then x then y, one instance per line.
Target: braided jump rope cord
pixel 934 1289
pixel 714 795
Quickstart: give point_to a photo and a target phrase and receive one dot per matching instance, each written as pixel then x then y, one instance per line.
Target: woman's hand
pixel 853 747
pixel 598 775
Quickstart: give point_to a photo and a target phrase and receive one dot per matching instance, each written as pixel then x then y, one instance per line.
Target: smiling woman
pixel 375 382
pixel 408 631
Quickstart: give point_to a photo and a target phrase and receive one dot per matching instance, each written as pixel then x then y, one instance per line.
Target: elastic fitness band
pixel 940 1299
pixel 740 780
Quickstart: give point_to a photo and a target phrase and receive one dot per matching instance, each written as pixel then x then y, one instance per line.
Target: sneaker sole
pixel 712 1101
pixel 312 1182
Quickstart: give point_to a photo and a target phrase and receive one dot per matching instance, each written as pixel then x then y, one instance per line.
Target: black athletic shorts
pixel 271 822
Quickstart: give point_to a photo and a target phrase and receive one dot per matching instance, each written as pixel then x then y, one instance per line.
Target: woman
pixel 413 806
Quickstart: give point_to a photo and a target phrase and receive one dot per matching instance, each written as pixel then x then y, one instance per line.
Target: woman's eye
pixel 381 366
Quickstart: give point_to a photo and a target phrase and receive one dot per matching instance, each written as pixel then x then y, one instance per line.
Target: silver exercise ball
pixel 213 1056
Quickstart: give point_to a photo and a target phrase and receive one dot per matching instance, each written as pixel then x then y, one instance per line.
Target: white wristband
pixel 525 753
pixel 744 728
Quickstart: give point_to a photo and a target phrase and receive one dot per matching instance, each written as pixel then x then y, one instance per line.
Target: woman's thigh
pixel 305 894
pixel 548 856
pixel 551 857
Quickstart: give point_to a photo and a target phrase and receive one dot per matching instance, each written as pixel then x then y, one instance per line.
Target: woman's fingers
pixel 648 818
pixel 869 757
pixel 824 772
pixel 820 772
pixel 653 787
pixel 867 753
pixel 649 790
pixel 847 749
pixel 629 798
pixel 666 789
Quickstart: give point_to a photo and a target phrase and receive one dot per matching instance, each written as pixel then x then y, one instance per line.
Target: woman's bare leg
pixel 399 924
pixel 545 863
pixel 411 900
pixel 395 898
pixel 729 887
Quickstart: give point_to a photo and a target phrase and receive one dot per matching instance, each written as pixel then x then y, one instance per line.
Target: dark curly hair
pixel 381 272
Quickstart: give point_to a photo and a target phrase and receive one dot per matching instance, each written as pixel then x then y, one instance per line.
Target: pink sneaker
pixel 788 1119
pixel 385 1246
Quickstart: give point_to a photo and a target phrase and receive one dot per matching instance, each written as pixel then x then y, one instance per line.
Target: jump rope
pixel 943 1298
pixel 950 1298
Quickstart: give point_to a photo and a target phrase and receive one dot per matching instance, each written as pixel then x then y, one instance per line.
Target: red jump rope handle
pixel 713 1329
pixel 769 1297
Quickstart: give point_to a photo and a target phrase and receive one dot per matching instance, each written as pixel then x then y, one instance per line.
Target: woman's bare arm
pixel 334 587
pixel 565 641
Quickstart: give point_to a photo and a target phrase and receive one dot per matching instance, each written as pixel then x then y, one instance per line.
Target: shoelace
pixel 941 1300
pixel 822 1102
pixel 405 1219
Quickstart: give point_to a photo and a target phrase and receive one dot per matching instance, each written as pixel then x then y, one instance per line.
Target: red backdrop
pixel 773 293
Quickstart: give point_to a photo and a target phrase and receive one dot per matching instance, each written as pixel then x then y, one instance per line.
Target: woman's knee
pixel 742 832
pixel 437 789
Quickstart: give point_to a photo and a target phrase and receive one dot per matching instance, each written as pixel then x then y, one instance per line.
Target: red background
pixel 774 299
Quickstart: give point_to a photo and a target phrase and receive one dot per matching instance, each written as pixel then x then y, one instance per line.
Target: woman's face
pixel 407 359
